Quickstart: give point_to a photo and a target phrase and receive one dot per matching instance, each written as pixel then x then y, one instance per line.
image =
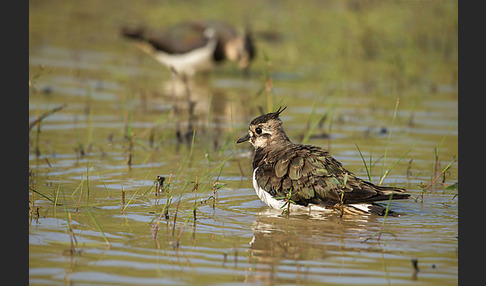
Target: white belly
pixel 265 196
pixel 189 63
pixel 277 204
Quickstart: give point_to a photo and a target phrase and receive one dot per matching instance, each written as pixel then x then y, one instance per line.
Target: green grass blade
pixel 97 225
pixel 437 150
pixel 39 193
pixel 136 192
pixel 442 172
pixel 313 127
pixel 393 165
pixel 388 140
pixel 104 185
pixel 57 193
pixel 364 162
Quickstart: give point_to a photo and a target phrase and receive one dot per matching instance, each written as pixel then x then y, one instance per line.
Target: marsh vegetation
pixel 136 179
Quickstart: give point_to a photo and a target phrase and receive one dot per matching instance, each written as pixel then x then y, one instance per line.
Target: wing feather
pixel 316 177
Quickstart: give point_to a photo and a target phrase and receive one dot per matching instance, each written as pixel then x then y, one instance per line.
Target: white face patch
pixel 252 138
pixel 260 140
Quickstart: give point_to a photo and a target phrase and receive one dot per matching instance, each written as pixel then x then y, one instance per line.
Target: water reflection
pixel 307 244
pixel 304 236
pixel 195 104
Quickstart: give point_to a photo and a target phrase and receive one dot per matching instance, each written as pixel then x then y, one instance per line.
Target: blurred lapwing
pixel 307 177
pixel 190 47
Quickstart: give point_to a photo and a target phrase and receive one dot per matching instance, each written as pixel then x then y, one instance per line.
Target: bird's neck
pixel 276 146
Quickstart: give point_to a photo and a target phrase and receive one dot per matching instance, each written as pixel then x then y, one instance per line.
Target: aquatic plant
pixel 97 226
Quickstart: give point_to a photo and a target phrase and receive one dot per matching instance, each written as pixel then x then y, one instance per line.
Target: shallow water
pixel 118 97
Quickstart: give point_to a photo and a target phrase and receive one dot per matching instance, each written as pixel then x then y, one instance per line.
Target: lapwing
pixel 304 177
pixel 194 46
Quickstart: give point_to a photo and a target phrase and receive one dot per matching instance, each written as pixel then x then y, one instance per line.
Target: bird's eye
pixel 258 130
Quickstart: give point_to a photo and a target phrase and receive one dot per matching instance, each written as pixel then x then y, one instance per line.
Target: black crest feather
pixel 265 117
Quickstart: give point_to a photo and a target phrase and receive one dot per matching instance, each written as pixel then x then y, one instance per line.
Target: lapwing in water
pixel 194 46
pixel 306 177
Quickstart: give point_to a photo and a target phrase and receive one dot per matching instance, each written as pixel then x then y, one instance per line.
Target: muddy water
pixel 95 217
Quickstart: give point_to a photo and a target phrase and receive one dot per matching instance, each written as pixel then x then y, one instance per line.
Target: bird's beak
pixel 243 139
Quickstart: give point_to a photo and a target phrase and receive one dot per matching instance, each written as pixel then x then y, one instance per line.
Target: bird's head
pixel 266 130
pixel 241 50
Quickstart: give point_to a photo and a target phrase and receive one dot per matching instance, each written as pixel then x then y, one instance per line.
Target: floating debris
pixel 159 184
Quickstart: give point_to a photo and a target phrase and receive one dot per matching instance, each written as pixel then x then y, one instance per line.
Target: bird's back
pixel 313 176
pixel 178 39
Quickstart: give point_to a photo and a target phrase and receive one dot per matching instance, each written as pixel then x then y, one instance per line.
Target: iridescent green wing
pixel 304 171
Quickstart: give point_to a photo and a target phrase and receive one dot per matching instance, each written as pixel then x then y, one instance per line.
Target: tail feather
pixel 370 208
pixel 368 192
pixel 397 193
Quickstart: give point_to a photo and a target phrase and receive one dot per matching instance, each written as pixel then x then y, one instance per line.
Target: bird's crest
pixel 266 117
